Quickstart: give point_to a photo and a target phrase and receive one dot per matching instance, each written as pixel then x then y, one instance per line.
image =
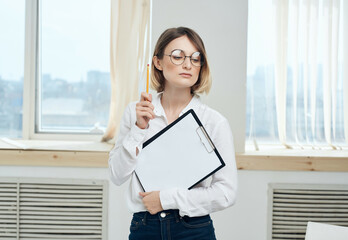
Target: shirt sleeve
pixel 222 191
pixel 123 157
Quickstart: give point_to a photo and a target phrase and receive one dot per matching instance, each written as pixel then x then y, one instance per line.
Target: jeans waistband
pixel 163 215
pixel 160 216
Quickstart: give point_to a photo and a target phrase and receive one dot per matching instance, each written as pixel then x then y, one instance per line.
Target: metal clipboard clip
pixel 205 140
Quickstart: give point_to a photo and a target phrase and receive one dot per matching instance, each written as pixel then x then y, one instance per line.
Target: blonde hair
pixel 204 81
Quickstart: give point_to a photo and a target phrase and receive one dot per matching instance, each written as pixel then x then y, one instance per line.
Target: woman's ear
pixel 157 62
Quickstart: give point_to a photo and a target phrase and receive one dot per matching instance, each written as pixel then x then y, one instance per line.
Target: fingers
pixel 145 109
pixel 145 104
pixel 141 109
pixel 145 97
pixel 145 112
pixel 153 212
pixel 144 194
pixel 151 201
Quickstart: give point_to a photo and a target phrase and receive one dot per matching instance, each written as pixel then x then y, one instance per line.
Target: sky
pixel 75 38
pixel 260 39
pixel 12 39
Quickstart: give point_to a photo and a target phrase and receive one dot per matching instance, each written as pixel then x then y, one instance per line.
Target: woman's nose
pixel 187 63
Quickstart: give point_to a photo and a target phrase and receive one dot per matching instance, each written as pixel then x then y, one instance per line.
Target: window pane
pixel 261 116
pixel 12 19
pixel 74 83
pixel 314 74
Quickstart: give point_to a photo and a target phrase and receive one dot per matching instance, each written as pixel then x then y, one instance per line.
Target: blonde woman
pixel 180 72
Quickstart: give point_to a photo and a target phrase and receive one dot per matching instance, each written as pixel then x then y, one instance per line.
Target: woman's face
pixel 179 76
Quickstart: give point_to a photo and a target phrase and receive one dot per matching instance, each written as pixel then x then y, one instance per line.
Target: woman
pixel 180 72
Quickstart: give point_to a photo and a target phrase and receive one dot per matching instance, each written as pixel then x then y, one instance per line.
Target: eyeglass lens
pixel 178 57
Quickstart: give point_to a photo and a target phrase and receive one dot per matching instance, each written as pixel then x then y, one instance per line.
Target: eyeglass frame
pixel 170 56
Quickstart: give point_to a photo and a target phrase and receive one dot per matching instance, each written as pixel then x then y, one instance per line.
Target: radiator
pixel 291 206
pixel 32 208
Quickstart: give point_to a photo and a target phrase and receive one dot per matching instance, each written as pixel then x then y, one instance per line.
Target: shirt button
pixel 163 215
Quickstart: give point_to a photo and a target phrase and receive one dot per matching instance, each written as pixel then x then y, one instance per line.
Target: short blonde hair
pixel 204 81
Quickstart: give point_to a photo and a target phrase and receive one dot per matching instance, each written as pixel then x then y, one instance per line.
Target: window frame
pixel 30 83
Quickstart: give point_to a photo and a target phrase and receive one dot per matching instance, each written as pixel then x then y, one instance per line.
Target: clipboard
pixel 179 156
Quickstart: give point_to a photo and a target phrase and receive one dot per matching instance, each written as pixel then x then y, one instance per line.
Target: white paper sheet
pixel 178 158
pixel 321 231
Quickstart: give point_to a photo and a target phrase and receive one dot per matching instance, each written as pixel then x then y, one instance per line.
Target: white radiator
pixel 53 209
pixel 291 206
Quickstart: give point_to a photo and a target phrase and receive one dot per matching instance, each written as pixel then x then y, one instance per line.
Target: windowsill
pixel 54 153
pixel 96 154
pixel 54 145
pixel 280 159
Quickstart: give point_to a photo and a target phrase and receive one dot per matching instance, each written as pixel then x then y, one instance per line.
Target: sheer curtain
pixel 129 55
pixel 309 31
pixel 345 66
pixel 281 20
pixel 306 40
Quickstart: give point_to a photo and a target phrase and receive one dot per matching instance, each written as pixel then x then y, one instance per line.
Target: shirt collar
pixel 159 111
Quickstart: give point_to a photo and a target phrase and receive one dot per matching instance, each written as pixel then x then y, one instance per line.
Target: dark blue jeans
pixel 169 225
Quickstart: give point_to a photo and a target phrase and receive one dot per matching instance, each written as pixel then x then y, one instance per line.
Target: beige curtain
pixel 129 54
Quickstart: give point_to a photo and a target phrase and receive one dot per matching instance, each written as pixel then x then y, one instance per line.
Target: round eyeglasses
pixel 178 57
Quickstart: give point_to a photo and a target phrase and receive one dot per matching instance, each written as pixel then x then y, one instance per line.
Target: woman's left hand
pixel 152 201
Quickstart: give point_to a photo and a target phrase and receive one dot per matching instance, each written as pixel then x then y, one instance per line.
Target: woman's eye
pixel 195 60
pixel 177 57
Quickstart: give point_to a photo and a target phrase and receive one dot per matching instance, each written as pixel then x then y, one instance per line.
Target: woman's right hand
pixel 144 110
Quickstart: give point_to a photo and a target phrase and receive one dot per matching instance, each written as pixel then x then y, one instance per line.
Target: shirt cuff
pixel 137 133
pixel 167 199
pixel 134 140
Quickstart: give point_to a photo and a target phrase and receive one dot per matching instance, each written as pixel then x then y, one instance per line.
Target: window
pixel 12 23
pixel 74 76
pixel 65 68
pixel 295 74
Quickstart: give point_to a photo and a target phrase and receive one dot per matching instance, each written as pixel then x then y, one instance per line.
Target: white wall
pixel 222 25
pixel 247 220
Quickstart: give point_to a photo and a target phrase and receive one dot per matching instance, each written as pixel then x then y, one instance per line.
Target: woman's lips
pixel 186 75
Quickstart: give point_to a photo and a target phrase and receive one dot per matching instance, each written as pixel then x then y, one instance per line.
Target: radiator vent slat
pixel 25 226
pixel 55 213
pixel 76 209
pixel 293 205
pixel 51 209
pixel 8 208
pixel 306 196
pixel 315 206
pixel 89 223
pixel 320 201
pixel 305 223
pixel 310 210
pixel 310 214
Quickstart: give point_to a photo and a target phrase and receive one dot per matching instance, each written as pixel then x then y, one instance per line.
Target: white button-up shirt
pixel 213 194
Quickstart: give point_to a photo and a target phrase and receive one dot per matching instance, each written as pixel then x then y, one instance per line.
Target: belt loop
pixel 144 219
pixel 177 217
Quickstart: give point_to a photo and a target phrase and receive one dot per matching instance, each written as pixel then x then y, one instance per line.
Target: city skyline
pixel 64 105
